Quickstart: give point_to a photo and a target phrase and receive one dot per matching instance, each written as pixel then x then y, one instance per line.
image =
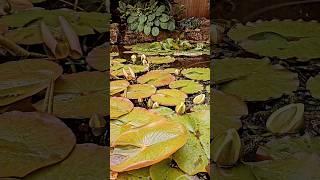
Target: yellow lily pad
pixel 140 91
pixel 169 97
pixel 119 106
pixel 161 59
pixel 187 86
pixel 157 78
pixel 202 74
pixel 118 86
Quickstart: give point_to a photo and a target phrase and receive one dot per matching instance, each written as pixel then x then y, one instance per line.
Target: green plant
pixel 147 17
pixel 190 23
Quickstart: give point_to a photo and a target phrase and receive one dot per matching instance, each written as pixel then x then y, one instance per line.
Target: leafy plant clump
pixel 149 18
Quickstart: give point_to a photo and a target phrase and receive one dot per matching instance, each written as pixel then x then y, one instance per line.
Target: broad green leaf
pixel 30 141
pixel 187 86
pixel 138 174
pixel 147 29
pixel 76 166
pixel 139 91
pixel 119 106
pixel 238 172
pixel 164 18
pixel 144 146
pixel 24 78
pixel 155 31
pixel 156 78
pixel 202 74
pixel 171 25
pixel 118 86
pixel 169 97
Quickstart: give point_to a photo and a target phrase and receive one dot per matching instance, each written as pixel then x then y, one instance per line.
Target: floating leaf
pixel 116 70
pixel 144 146
pixel 163 111
pixel 187 86
pixel 163 170
pixel 313 86
pixel 235 173
pixel 139 117
pixel 157 78
pixel 288 119
pixel 161 59
pixel 288 147
pixel 226 112
pixel 76 165
pixel 79 95
pixel 97 58
pixel 169 97
pixel 118 86
pixel 225 149
pixel 202 74
pixel 24 78
pixel 263 82
pixel 140 91
pixel 284 39
pixel 119 106
pixel 30 141
pixel 138 174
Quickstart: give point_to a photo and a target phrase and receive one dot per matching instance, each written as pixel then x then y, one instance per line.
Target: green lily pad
pixel 163 170
pixel 314 87
pixel 169 97
pixel 76 165
pixel 139 117
pixel 157 78
pixel 140 91
pixel 226 112
pixel 119 106
pixel 170 70
pixel 118 86
pixel 97 58
pixel 30 141
pixel 262 82
pixel 24 78
pixel 143 146
pixel 287 147
pixel 187 86
pixel 138 174
pixel 283 39
pixel 202 74
pixel 116 70
pixel 235 173
pixel 201 107
pixel 161 59
pixel 163 111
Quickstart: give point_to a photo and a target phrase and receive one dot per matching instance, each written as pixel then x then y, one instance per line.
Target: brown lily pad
pixel 30 141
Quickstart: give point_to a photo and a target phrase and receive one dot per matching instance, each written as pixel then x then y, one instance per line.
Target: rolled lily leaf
pixel 225 150
pixel 288 119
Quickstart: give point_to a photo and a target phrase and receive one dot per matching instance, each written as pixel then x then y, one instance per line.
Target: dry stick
pixel 66 2
pixel 254 14
pixel 16 50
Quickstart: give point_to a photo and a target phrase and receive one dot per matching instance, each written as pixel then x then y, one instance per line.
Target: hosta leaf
pixel 287 147
pixel 202 74
pixel 171 25
pixel 147 29
pixel 169 97
pixel 119 106
pixel 155 31
pixel 306 166
pixel 139 117
pixel 284 39
pixel 118 86
pixel 157 78
pixel 265 81
pixel 226 112
pixel 314 87
pixel 140 91
pixel 144 146
pixel 195 163
pixel 163 170
pixel 187 86
pixel 24 78
pixel 97 58
pixel 76 165
pixel 161 59
pixel 30 141
pixel 164 18
pixel 235 173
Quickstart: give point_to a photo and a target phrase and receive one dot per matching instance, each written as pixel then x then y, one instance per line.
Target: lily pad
pixel 187 86
pixel 163 170
pixel 283 39
pixel 97 58
pixel 314 87
pixel 140 91
pixel 157 78
pixel 24 78
pixel 235 173
pixel 202 74
pixel 118 86
pixel 226 112
pixel 30 141
pixel 76 165
pixel 119 106
pixel 144 146
pixel 169 97
pixel 116 70
pixel 139 117
pixel 138 174
pixel 163 111
pixel 161 59
pixel 259 83
pixel 79 95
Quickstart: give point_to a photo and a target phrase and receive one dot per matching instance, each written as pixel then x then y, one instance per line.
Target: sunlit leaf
pixel 157 78
pixel 169 97
pixel 202 74
pixel 119 106
pixel 187 86
pixel 118 86
pixel 139 91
